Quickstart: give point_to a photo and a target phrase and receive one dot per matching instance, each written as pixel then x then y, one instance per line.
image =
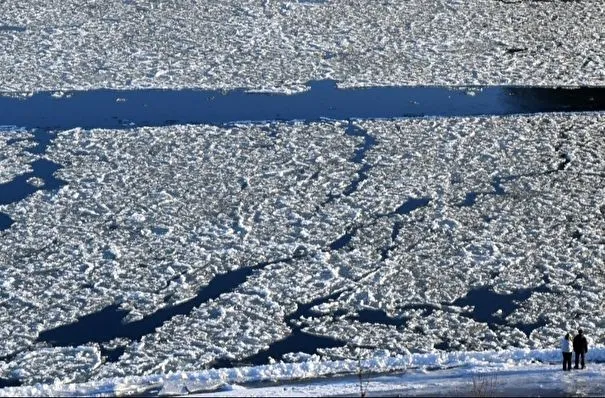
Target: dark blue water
pixel 487 302
pixel 397 225
pixel 19 188
pixel 470 199
pixel 412 204
pixel 10 383
pixel 306 309
pixel 123 109
pixel 386 250
pixel 112 354
pixel 12 28
pixel 5 222
pixel 427 309
pixel 497 184
pixel 343 241
pixel 43 139
pixel 406 207
pixel 499 181
pixel 362 175
pixel 368 142
pixel 297 341
pixel 359 158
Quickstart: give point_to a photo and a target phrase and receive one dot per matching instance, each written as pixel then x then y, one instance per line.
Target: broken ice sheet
pixel 47 365
pixel 15 159
pixel 234 326
pixel 150 216
pixel 282 45
pixel 185 177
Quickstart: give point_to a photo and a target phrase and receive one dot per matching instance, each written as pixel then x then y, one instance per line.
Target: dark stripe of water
pixel 368 142
pixel 374 316
pixel 297 341
pixel 12 28
pixel 343 241
pixel 121 109
pixel 10 383
pixel 412 204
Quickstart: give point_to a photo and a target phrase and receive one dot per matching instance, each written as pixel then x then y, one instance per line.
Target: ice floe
pixel 14 157
pixel 281 45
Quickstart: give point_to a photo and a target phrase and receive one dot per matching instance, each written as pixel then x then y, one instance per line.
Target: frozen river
pixel 240 243
pixel 301 180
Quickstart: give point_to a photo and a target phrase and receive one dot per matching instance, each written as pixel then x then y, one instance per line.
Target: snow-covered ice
pixel 442 207
pixel 14 158
pixel 518 372
pixel 48 364
pixel 280 45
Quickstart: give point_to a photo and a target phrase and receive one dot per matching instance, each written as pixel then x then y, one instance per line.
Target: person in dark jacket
pixel 580 347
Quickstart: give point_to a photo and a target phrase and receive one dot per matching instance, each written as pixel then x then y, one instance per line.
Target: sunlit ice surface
pixel 156 249
pixel 280 45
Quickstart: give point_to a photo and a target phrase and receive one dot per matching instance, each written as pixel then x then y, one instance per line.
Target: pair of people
pixel 580 347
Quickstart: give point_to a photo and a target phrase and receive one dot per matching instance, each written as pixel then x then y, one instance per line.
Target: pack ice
pixel 280 45
pixel 15 158
pixel 380 235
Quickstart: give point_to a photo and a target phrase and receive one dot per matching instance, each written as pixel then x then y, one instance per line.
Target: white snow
pixel 49 364
pixel 520 371
pixel 281 45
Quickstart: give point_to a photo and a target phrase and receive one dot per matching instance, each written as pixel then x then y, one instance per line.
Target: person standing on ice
pixel 566 347
pixel 580 347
